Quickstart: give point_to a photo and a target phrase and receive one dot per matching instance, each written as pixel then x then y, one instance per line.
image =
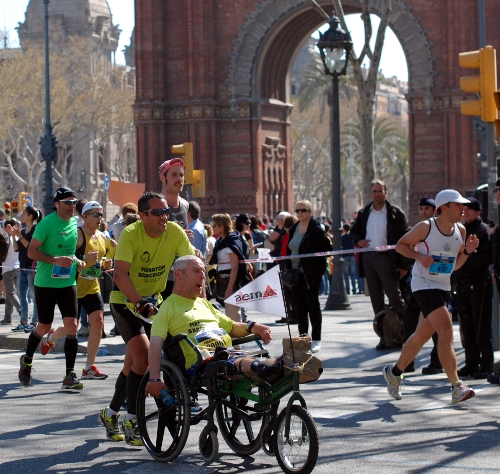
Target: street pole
pixel 48 141
pixel 337 298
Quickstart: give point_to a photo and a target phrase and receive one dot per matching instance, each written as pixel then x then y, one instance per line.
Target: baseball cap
pixel 63 193
pixel 91 205
pixel 474 204
pixel 282 215
pixel 497 184
pixel 427 202
pixel 449 195
pixel 166 165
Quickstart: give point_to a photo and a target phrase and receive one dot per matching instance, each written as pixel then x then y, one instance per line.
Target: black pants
pixel 305 296
pixel 410 322
pixel 474 306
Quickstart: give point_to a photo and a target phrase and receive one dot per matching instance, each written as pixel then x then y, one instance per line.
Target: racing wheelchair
pixel 246 411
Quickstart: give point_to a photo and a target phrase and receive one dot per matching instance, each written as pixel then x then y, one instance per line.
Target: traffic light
pixel 7 207
pixel 485 84
pixel 198 183
pixel 15 208
pixel 186 149
pixel 23 201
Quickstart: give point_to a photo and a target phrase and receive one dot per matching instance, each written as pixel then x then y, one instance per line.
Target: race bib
pixel 92 272
pixel 210 338
pixel 443 263
pixel 61 272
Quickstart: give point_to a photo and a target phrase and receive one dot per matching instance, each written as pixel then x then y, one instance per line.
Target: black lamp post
pixel 335 48
pixel 48 142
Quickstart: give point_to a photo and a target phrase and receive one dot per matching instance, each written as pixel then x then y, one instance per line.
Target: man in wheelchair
pixel 185 312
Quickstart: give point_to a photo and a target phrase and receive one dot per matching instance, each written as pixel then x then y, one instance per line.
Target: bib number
pixel 91 273
pixel 443 265
pixel 61 272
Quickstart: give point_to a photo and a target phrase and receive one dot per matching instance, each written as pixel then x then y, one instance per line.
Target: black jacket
pixel 397 226
pixel 477 265
pixel 234 241
pixel 315 240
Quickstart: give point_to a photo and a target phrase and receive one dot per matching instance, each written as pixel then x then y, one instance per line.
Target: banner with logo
pixel 262 294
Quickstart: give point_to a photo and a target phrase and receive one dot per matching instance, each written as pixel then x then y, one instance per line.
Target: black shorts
pixel 47 298
pixel 91 303
pixel 430 300
pixel 128 324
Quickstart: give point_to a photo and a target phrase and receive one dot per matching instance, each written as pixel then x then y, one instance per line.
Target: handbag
pixel 290 276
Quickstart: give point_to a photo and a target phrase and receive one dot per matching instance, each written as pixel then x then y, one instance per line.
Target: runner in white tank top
pixel 444 250
pixel 436 246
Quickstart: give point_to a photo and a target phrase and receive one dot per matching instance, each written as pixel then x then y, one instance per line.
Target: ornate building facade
pixel 217 73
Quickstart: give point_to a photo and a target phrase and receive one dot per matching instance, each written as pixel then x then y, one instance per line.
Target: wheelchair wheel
pixel 164 430
pixel 208 444
pixel 242 435
pixel 298 454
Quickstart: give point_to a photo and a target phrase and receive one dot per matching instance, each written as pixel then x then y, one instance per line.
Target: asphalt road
pixel 361 429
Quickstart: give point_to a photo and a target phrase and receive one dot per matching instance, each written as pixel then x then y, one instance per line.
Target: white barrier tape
pixel 381 248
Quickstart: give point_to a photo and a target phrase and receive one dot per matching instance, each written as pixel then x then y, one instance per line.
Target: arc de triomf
pixel 215 72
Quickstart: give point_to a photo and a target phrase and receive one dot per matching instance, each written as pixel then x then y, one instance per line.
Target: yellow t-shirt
pixel 88 279
pixel 203 324
pixel 150 259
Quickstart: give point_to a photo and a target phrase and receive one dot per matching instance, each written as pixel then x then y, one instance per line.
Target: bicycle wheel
pixel 164 430
pixel 297 454
pixel 242 434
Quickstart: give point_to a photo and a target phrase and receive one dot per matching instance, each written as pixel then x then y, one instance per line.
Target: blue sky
pixel 393 60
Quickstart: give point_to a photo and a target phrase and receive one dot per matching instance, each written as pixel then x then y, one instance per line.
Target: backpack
pixel 4 244
pixel 389 327
pixel 259 236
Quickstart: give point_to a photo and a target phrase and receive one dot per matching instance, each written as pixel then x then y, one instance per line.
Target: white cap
pixel 449 195
pixel 91 205
pixel 282 215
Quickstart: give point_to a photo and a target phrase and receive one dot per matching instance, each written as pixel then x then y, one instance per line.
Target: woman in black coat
pixel 307 236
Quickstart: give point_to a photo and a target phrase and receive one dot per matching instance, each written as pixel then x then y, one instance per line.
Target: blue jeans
pixel 361 281
pixel 324 287
pixel 84 319
pixel 26 289
pixel 349 270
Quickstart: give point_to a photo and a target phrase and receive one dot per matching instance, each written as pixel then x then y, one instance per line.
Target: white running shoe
pixel 315 346
pixel 394 383
pixel 461 392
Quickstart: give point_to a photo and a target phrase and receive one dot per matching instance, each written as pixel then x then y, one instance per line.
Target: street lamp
pixel 335 48
pixel 48 142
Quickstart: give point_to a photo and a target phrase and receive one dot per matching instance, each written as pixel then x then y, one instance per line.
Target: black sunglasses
pixel 158 212
pixel 301 210
pixel 68 202
pixel 96 214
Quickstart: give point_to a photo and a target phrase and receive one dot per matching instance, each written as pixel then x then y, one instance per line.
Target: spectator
pixel 115 226
pixel 349 266
pixel 11 273
pixel 199 239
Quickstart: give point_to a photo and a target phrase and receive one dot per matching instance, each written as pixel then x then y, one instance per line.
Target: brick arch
pixel 265 48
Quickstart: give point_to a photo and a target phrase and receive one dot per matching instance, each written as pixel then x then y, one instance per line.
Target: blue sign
pixel 106 183
pixel 29 200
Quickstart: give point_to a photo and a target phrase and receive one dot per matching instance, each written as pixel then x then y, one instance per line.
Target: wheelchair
pixel 246 412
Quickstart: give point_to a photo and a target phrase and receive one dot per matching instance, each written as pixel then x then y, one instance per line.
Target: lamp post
pixel 48 142
pixel 335 48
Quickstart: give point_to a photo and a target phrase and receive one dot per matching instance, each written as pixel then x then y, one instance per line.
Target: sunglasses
pixel 158 212
pixel 301 210
pixel 96 214
pixel 68 202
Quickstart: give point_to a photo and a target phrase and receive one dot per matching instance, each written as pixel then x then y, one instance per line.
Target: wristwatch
pixel 139 304
pixel 250 325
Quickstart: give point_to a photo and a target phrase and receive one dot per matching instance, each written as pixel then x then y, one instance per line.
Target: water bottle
pixel 103 352
pixel 166 398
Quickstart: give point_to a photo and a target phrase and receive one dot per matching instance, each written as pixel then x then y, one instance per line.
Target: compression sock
pixel 70 351
pixel 33 342
pixel 133 382
pixel 396 371
pixel 120 394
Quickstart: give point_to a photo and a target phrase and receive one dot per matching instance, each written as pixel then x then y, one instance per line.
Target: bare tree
pixel 366 80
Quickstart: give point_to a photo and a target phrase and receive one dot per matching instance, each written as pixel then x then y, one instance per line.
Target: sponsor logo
pixel 447 247
pixel 145 257
pixel 256 295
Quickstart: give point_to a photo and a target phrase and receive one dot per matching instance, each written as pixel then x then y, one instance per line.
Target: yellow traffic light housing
pixel 23 202
pixel 199 184
pixel 186 149
pixel 7 207
pixel 15 208
pixel 485 84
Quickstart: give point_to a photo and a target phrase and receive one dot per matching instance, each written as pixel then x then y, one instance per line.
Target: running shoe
pixel 93 373
pixel 394 383
pixel 71 382
pixel 131 431
pixel 112 426
pixel 25 373
pixel 29 328
pixel 461 392
pixel 20 327
pixel 47 344
pixel 195 407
